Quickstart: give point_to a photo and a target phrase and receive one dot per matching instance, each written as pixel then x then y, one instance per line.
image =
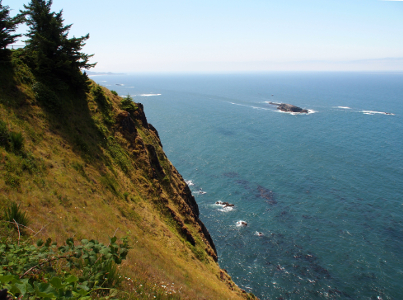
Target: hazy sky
pixel 236 35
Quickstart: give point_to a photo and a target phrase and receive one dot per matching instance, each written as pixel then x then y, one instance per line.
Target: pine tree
pixel 53 53
pixel 7 26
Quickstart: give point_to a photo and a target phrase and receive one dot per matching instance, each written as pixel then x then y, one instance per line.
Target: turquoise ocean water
pixel 324 189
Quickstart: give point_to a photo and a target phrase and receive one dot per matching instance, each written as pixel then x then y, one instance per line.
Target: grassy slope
pixel 82 173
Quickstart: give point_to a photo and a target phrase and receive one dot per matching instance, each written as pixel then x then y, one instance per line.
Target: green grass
pixel 77 174
pixel 14 214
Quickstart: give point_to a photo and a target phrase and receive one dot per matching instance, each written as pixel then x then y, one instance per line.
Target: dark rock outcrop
pixel 154 162
pixel 225 204
pixel 152 128
pixel 289 108
pixel 139 115
pixel 125 121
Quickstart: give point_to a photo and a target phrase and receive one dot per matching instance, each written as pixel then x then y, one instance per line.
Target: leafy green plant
pixel 114 92
pixel 14 213
pixel 70 271
pixel 127 104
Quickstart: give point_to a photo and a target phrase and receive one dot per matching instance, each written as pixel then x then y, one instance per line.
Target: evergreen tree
pixel 53 53
pixel 7 26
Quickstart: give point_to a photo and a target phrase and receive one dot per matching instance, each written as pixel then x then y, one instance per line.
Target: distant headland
pixel 90 73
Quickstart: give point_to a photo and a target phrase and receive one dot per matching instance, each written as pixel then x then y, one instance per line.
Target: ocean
pixel 321 193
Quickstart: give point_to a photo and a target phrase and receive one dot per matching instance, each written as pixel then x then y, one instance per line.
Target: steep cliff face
pixel 90 167
pixel 177 190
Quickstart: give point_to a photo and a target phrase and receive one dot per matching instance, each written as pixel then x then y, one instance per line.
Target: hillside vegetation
pixel 84 163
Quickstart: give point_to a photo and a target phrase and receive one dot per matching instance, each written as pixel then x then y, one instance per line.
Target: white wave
pixel 189 182
pixel 250 106
pixel 343 107
pixel 239 104
pixel 201 192
pixel 259 233
pixel 373 112
pixel 260 108
pixel 310 111
pixel 226 209
pixel 241 223
pixel 149 95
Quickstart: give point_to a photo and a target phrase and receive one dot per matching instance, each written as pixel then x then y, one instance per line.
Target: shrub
pixel 14 213
pixel 100 97
pixel 16 140
pixel 10 139
pixel 127 104
pixel 46 96
pixel 114 92
pixel 35 272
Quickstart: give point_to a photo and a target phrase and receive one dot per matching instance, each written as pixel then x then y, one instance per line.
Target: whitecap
pixel 226 209
pixel 373 112
pixel 189 182
pixel 343 107
pixel 260 108
pixel 149 95
pixel 310 111
pixel 201 192
pixel 241 223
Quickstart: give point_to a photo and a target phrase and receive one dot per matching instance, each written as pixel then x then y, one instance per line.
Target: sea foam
pixel 373 112
pixel 189 182
pixel 149 95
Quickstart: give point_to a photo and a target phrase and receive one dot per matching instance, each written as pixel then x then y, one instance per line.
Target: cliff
pixel 90 166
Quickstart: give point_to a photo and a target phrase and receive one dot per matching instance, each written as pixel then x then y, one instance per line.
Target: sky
pixel 161 36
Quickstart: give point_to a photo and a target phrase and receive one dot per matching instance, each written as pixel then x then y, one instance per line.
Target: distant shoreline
pixel 90 73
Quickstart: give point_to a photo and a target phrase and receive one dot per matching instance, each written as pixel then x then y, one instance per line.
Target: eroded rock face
pixel 139 115
pixel 186 213
pixel 123 119
pixel 289 107
pixel 154 161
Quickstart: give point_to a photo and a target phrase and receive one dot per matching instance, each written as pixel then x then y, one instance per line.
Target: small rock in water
pixel 289 108
pixel 225 204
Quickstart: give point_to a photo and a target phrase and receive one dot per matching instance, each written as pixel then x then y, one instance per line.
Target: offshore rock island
pixel 289 108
